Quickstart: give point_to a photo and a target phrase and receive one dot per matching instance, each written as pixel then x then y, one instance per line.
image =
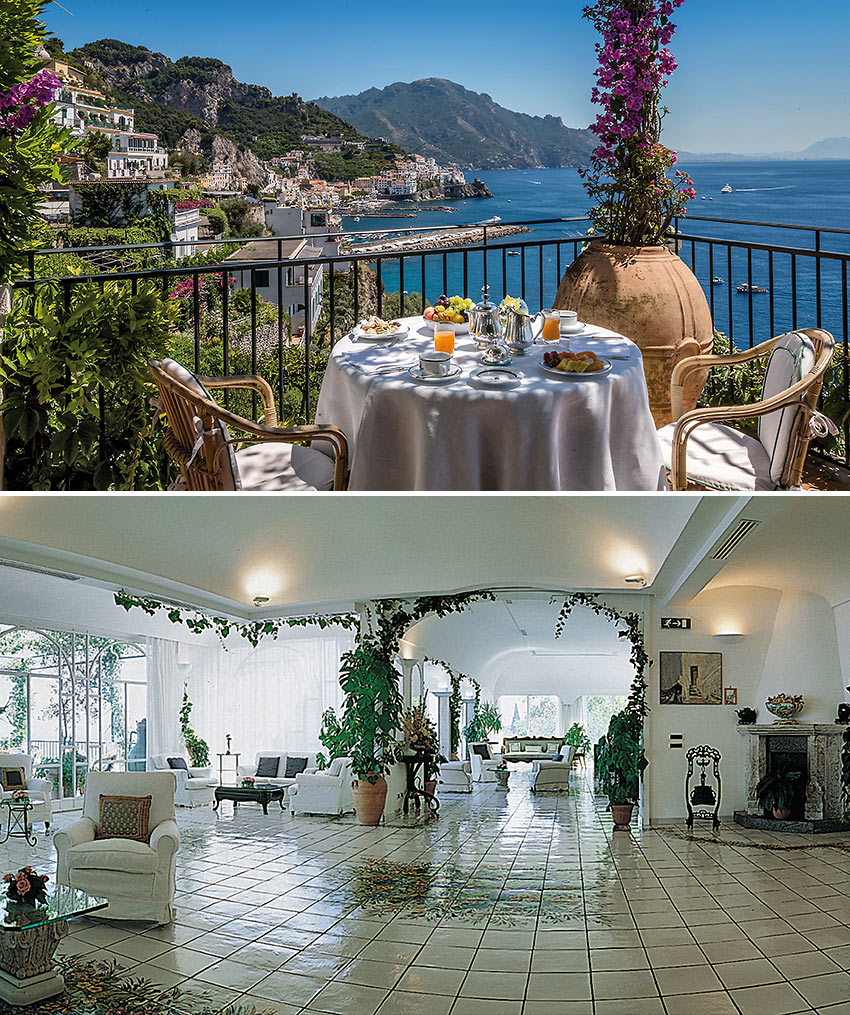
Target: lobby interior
pixel 504 900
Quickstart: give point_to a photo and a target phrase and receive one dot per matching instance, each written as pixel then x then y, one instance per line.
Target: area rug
pixel 776 847
pixel 103 988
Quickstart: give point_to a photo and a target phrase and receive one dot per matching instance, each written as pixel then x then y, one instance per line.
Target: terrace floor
pixel 507 905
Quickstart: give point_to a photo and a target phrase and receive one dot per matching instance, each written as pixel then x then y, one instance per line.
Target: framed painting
pixel 691 678
pixel 730 695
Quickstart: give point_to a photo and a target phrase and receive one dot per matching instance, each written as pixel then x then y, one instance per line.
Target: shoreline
pixel 444 238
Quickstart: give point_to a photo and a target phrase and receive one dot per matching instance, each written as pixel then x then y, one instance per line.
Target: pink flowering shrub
pixel 19 105
pixel 629 178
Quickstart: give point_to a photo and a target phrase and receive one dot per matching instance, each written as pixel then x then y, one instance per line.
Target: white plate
pixel 361 337
pixel 563 375
pixel 496 377
pixel 460 329
pixel 452 375
pixel 578 331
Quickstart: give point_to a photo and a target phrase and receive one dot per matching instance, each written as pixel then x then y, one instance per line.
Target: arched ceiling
pixel 510 648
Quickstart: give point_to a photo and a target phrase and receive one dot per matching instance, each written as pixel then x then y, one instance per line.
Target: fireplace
pixel 811 748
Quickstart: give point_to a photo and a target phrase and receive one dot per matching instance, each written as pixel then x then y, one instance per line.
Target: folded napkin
pixel 372 356
pixel 610 348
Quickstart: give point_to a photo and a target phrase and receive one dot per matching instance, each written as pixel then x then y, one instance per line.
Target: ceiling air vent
pixel 733 538
pixel 40 570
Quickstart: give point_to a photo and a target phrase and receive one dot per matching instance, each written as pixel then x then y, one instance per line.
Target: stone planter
pixel 651 296
pixel 369 799
pixel 503 774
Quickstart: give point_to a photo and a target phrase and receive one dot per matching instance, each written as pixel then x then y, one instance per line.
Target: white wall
pixel 841 615
pixel 750 611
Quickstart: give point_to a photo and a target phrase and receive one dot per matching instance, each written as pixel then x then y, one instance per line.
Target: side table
pixel 221 768
pixel 17 821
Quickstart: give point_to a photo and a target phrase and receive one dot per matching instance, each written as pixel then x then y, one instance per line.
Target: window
pixel 529 715
pixel 317 219
pixel 261 278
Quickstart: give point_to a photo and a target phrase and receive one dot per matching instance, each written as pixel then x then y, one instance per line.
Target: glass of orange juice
pixel 444 337
pixel 551 326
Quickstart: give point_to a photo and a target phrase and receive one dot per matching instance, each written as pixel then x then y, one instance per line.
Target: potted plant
pixel 420 735
pixel 486 721
pixel 196 747
pixel 576 736
pixel 621 763
pixel 334 738
pixel 627 279
pixel 371 716
pixel 777 791
pixel 502 774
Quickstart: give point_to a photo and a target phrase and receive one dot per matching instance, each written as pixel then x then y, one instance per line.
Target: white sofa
pixel 553 776
pixel 40 790
pixel 455 777
pixel 195 786
pixel 137 878
pixel 484 768
pixel 279 778
pixel 327 792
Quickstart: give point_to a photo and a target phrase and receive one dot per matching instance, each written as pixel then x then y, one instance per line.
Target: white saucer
pixel 579 331
pixel 422 378
pixel 496 377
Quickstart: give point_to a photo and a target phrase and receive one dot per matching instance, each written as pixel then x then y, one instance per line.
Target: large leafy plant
pixel 487 720
pixel 334 737
pixel 778 789
pixel 620 759
pixel 576 736
pixel 629 173
pixel 373 707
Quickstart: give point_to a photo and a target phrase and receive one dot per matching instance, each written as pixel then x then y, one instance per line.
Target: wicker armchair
pixel 270 457
pixel 701 449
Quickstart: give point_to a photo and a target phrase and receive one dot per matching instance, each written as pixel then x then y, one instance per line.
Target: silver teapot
pixel 519 333
pixel 485 322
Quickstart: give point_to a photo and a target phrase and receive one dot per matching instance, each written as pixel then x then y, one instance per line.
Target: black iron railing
pixel 250 329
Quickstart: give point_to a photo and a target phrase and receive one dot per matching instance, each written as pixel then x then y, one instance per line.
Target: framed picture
pixel 691 678
pixel 730 695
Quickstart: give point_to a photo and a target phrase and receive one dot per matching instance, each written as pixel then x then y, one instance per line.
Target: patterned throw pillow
pixel 178 764
pixel 267 767
pixel 294 766
pixel 13 778
pixel 124 817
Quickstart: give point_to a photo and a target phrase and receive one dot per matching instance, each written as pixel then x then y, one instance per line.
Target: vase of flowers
pixel 248 782
pixel 627 279
pixel 26 886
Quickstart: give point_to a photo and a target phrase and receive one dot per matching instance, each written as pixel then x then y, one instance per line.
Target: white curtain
pixel 268 698
pixel 164 696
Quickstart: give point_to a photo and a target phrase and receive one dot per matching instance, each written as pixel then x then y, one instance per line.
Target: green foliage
pixel 198 749
pixel 350 164
pixel 620 758
pixel 218 221
pixel 777 789
pixel 189 163
pixel 334 737
pixel 68 368
pixel 241 222
pixel 113 203
pixel 372 709
pixel 486 720
pixel 95 147
pixel 48 769
pixel 21 33
pixel 577 736
pixel 55 47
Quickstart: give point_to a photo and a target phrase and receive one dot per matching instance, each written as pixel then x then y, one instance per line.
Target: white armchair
pixel 137 878
pixel 40 790
pixel 455 777
pixel 553 776
pixel 195 786
pixel 323 792
pixel 484 762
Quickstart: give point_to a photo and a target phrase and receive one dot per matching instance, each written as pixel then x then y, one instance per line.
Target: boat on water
pixel 717 281
pixel 513 253
pixel 745 287
pixel 727 189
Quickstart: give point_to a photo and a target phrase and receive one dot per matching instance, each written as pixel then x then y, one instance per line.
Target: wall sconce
pixel 729 635
pixel 260 600
pixel 636 579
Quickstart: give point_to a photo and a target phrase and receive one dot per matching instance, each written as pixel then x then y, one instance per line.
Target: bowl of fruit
pixel 451 310
pixel 574 366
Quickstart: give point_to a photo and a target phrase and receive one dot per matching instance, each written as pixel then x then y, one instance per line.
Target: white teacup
pixel 569 322
pixel 435 364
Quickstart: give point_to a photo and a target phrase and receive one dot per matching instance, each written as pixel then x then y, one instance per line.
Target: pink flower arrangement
pixel 628 177
pixel 19 105
pixel 20 794
pixel 26 885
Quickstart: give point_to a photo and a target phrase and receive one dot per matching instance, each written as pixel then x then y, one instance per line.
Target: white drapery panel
pixel 164 696
pixel 268 698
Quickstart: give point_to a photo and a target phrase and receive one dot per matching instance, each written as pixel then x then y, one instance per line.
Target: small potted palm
pixel 777 791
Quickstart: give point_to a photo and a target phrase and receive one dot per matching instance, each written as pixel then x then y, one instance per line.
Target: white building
pixel 135 156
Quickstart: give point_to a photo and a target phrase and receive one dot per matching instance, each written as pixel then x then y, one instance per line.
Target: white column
pixel 444 722
pixel 467 713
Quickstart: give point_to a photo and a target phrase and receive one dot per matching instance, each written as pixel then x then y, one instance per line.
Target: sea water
pixel 788 193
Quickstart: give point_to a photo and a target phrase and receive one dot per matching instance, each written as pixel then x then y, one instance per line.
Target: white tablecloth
pixel 543 434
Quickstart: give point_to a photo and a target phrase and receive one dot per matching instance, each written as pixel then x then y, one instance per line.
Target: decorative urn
pixel 785 706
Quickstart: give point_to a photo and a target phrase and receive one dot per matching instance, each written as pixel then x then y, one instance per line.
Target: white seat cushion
pixel 125 855
pixel 279 466
pixel 722 458
pixel 792 358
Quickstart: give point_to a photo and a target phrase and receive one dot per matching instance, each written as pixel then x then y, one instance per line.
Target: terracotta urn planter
pixel 651 296
pixel 622 815
pixel 430 787
pixel 369 800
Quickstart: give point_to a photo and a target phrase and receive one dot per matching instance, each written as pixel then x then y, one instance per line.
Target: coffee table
pixel 258 794
pixel 29 936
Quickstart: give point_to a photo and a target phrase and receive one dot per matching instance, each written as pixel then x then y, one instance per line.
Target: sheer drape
pixel 271 697
pixel 164 695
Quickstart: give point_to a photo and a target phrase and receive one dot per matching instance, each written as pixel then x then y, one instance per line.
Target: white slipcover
pixel 326 792
pixel 280 779
pixel 553 776
pixel 137 878
pixel 195 787
pixel 455 777
pixel 40 790
pixel 484 769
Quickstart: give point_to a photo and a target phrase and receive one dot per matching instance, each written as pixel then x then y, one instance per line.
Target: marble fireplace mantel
pixel 824 807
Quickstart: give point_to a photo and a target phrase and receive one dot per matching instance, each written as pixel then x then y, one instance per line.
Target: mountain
pixel 195 100
pixel 829 148
pixel 447 121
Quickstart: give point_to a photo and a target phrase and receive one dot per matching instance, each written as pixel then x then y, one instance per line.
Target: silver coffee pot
pixel 485 321
pixel 519 333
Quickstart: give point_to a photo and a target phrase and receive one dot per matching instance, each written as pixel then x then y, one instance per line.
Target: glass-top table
pixel 62 903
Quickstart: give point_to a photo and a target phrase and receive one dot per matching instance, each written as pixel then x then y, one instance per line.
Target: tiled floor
pixel 508 905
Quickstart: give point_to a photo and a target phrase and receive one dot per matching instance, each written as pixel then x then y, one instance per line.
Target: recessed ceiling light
pixel 636 579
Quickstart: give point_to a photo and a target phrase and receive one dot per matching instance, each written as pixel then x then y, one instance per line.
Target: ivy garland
pixel 253 632
pixel 456 699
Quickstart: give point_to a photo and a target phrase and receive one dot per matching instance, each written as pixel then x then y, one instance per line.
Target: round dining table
pixel 542 433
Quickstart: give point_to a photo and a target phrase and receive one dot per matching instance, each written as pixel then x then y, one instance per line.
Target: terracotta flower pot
pixel 369 800
pixel 622 815
pixel 431 787
pixel 782 813
pixel 651 296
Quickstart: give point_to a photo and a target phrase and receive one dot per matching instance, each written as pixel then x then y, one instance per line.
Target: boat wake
pixel 752 190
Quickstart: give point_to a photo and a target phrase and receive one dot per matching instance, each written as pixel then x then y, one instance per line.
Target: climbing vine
pixel 197 748
pixel 456 699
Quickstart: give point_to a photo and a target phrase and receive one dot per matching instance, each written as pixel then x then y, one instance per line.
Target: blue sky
pixel 754 75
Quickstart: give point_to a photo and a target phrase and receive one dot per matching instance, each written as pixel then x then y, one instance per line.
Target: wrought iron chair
pixel 700 448
pixel 270 457
pixel 703 795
